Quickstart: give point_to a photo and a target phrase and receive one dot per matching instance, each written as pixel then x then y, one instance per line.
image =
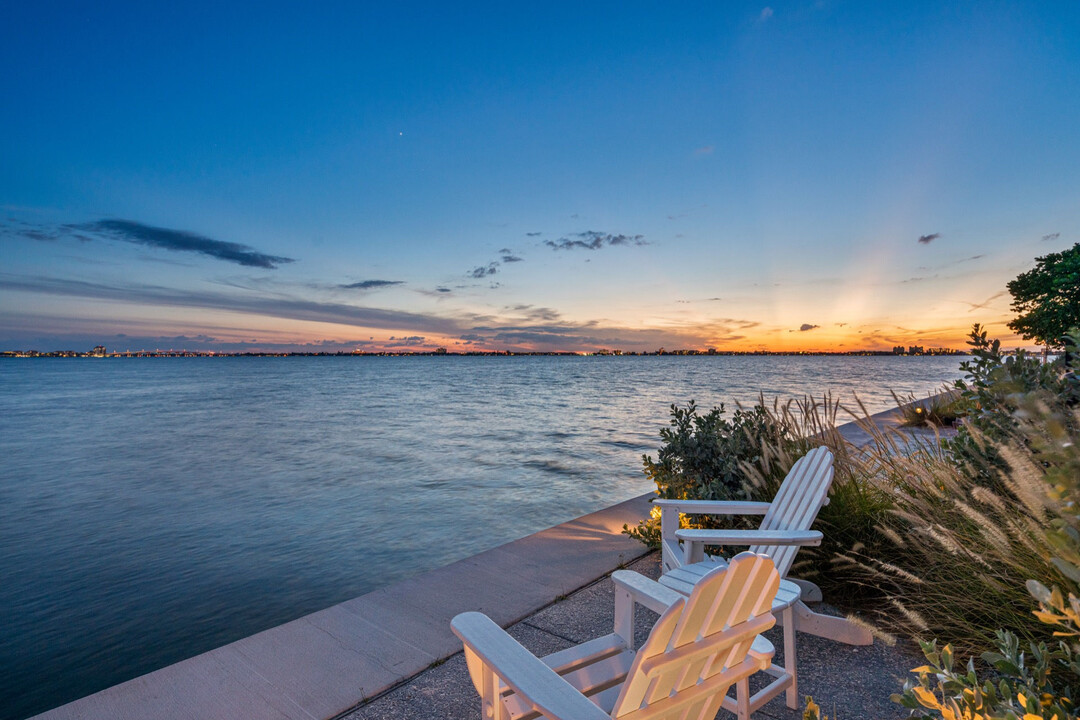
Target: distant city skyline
pixel 814 176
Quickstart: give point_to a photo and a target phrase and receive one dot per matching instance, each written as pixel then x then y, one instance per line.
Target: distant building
pixel 99 351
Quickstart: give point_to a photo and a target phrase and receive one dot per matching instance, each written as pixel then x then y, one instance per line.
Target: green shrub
pixel 706 457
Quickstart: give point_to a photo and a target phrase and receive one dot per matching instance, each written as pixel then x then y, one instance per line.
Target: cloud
pixel 927 239
pixel 442 289
pixel 984 303
pixel 593 240
pixel 484 270
pixel 411 341
pixel 371 284
pixel 179 241
pixel 807 326
pixel 533 234
pixel 705 150
pixel 39 235
pixel 511 258
pixel 1052 236
pixel 766 13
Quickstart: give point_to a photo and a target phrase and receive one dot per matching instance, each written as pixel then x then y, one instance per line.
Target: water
pixel 153 509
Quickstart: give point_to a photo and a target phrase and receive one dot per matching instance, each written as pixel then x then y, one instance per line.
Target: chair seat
pixel 598 668
pixel 682 580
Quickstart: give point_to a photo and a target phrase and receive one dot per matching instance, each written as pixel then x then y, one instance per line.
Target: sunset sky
pixel 550 176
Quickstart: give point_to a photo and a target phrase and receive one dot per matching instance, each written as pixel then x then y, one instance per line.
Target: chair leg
pixel 491 707
pixel 742 698
pixel 791 663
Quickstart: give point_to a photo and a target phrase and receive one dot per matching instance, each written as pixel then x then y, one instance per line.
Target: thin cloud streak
pixel 179 241
pixel 371 284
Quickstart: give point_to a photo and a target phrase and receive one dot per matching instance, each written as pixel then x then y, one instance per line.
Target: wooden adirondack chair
pixel 701 646
pixel 784 528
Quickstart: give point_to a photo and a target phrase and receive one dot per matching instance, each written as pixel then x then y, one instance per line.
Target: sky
pixel 530 176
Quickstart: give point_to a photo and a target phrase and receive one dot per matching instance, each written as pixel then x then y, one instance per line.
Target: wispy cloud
pixel 371 284
pixel 179 241
pixel 807 326
pixel 984 303
pixel 704 150
pixel 766 13
pixel 927 239
pixel 593 240
pixel 506 255
pixel 483 271
pixel 1051 236
pixel 533 234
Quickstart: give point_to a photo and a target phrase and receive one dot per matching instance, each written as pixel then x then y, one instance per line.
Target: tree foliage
pixel 1047 298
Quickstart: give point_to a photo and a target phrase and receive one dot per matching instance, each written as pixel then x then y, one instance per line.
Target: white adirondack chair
pixel 784 528
pixel 701 646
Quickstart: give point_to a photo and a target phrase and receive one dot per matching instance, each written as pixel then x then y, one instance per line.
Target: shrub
pixel 706 457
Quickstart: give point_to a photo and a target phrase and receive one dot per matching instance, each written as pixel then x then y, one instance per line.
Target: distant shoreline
pixel 490 353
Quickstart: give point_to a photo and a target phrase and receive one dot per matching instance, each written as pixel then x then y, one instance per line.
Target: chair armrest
pixel 715 507
pixel 531 679
pixel 751 537
pixel 645 591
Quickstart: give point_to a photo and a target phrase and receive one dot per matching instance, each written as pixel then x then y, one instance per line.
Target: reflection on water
pixel 154 509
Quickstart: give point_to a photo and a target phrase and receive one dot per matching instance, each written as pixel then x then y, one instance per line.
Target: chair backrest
pixel 802 494
pixel 698 648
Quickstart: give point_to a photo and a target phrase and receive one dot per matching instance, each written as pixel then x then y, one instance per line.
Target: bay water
pixel 153 509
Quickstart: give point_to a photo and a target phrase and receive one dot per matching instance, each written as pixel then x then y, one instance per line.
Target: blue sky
pixel 803 175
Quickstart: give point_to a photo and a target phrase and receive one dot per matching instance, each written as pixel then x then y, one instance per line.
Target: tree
pixel 1047 298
